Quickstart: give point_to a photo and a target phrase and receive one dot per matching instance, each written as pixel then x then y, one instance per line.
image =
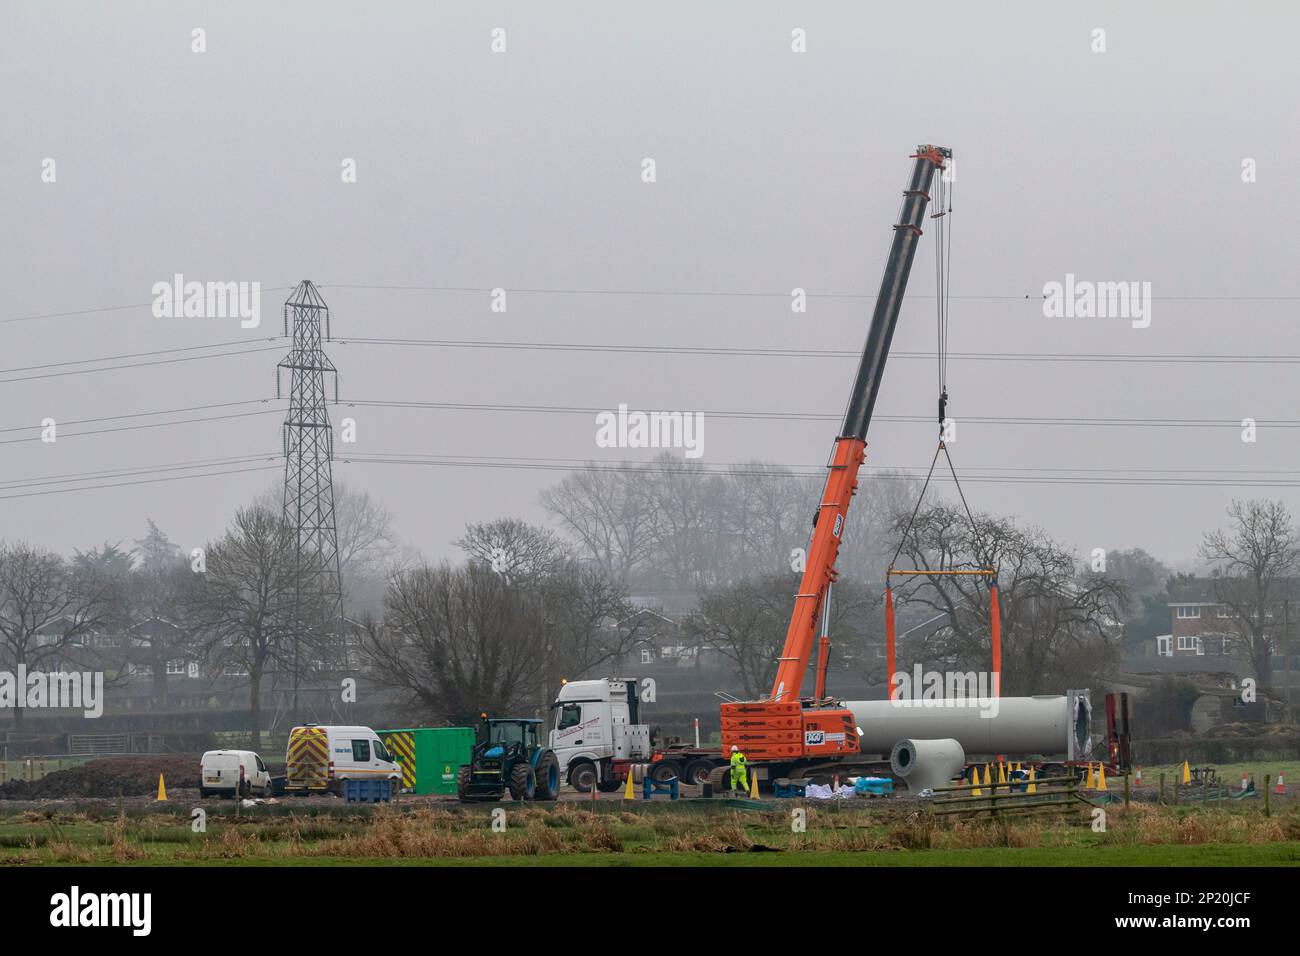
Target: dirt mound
pixel 108 777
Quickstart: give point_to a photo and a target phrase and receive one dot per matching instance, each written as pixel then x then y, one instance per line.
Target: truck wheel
pixel 548 776
pixel 697 772
pixel 582 777
pixel 664 771
pixel 523 782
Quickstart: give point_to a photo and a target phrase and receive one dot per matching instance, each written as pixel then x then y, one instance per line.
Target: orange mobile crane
pixel 786 734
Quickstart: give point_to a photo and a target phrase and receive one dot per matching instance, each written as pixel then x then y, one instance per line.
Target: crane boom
pixel 782 727
pixel 850 446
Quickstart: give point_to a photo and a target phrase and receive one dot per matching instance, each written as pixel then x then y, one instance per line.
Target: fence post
pixel 1126 790
pixel 1267 778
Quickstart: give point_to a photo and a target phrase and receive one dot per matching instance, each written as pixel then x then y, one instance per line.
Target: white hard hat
pixel 734 748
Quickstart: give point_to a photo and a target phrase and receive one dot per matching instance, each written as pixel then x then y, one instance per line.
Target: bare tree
pixel 1250 564
pixel 514 548
pixel 243 605
pixel 606 512
pixel 1059 628
pixel 47 610
pixel 457 641
pixel 747 624
pixel 158 586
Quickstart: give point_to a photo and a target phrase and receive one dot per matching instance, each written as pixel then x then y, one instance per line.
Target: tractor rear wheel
pixel 523 782
pixel 548 776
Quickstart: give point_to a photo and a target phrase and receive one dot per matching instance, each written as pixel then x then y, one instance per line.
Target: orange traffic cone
pixel 1245 784
pixel 1139 776
pixel 1281 787
pixel 162 788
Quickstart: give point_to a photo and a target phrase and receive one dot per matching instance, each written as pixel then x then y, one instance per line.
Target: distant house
pixel 1199 629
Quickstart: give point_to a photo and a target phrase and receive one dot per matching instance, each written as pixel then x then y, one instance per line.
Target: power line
pixel 111 368
pixel 113 358
pixel 105 308
pixel 146 481
pixel 723 293
pixel 162 411
pixel 739 415
pixel 827 416
pixel 1073 357
pixel 761 470
pixel 131 428
pixel 42 480
pixel 1085 476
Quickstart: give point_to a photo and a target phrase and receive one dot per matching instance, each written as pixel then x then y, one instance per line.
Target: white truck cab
pixel 233 773
pixel 596 724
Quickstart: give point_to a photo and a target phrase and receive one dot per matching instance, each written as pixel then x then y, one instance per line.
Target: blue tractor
pixel 507 756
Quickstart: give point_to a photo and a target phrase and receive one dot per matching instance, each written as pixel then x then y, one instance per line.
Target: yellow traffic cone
pixel 975 779
pixel 1033 787
pixel 987 781
pixel 629 792
pixel 1092 777
pixel 1187 772
pixel 162 788
pixel 1002 773
pixel 1101 777
pixel 753 786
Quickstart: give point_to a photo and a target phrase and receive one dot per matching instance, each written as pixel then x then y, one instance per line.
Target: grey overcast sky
pixel 522 170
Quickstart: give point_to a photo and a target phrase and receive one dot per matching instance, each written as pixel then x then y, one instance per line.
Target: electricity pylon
pixel 308 473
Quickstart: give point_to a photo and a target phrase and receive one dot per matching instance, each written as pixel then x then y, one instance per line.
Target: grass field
pixel 686 834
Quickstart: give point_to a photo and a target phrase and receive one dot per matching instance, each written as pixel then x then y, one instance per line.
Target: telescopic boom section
pixel 850 446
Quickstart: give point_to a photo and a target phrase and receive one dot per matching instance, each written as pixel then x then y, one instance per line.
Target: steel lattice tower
pixel 308 472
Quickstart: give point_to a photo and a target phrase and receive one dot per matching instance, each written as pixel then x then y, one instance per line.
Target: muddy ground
pixel 109 777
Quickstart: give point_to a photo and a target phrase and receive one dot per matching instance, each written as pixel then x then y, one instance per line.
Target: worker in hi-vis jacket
pixel 739 770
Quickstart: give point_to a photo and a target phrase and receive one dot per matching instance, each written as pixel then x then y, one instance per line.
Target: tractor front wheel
pixel 548 776
pixel 523 782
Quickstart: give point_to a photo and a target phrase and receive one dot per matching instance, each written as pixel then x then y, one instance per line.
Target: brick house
pixel 1198 629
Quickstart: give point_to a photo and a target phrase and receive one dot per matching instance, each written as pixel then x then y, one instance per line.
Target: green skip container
pixel 430 756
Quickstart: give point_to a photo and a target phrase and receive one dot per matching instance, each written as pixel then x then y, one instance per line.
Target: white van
pixel 233 773
pixel 320 757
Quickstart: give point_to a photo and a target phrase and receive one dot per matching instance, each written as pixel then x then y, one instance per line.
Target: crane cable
pixel 942 272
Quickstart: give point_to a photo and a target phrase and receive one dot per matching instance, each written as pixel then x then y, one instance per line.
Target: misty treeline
pixel 232 609
pixel 717 553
